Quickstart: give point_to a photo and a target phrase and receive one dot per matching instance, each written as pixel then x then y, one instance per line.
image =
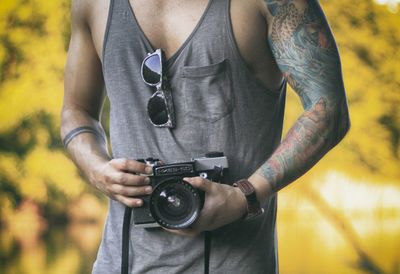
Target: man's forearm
pixel 87 150
pixel 314 133
pixel 306 53
pixel 310 138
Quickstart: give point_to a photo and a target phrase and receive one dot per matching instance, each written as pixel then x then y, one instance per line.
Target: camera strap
pixel 125 240
pixel 207 251
pixel 125 244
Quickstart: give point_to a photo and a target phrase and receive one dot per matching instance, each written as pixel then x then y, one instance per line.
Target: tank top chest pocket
pixel 207 91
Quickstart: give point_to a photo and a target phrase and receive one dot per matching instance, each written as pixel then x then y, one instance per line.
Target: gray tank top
pixel 219 106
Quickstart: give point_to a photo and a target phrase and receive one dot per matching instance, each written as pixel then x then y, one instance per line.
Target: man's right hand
pixel 123 180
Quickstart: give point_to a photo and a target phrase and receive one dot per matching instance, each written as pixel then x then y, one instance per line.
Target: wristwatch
pixel 253 205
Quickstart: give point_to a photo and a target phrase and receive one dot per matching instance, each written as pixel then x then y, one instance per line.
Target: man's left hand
pixel 223 204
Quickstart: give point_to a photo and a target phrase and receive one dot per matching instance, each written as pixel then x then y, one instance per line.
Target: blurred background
pixel 341 217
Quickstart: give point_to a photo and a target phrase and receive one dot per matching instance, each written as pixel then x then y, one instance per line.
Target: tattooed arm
pixel 306 53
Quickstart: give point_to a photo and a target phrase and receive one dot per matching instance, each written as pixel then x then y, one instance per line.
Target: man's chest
pixel 168 24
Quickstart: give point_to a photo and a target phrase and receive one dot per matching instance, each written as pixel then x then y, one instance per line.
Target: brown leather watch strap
pixel 253 205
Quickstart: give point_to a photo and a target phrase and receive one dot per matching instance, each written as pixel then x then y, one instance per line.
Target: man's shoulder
pixel 80 9
pixel 255 5
pixel 249 10
pixel 86 11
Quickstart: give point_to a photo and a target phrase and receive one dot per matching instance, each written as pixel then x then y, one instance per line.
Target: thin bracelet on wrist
pixel 79 130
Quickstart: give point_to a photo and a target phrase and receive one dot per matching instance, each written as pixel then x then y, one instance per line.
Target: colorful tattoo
pixel 306 53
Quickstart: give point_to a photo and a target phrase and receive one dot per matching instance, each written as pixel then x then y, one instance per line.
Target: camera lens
pixel 175 203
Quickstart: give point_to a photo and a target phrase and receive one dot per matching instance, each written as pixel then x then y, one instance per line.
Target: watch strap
pixel 253 205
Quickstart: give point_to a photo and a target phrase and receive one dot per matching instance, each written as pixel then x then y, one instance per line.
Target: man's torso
pixel 219 106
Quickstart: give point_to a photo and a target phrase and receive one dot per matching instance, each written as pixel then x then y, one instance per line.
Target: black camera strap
pixel 125 244
pixel 207 251
pixel 125 240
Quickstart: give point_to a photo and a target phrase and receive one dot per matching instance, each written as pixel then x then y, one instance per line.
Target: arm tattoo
pixel 306 53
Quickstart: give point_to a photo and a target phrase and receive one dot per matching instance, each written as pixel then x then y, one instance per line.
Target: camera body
pixel 174 203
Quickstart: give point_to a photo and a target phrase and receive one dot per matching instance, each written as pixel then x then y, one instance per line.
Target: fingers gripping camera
pixel 174 203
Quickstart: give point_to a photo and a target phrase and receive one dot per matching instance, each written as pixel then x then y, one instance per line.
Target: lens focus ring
pixel 175 203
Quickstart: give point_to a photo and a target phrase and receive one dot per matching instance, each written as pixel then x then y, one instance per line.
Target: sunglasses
pixel 160 108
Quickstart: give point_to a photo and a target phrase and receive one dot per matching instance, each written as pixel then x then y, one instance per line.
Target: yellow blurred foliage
pixel 27 224
pixel 35 84
pixel 55 168
pixel 9 167
pixel 32 56
pixel 69 262
pixel 86 209
pixel 36 174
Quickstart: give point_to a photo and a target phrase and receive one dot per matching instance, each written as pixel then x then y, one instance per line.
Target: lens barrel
pixel 175 203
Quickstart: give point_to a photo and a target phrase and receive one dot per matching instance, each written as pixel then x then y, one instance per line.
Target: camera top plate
pixel 187 169
pixel 208 163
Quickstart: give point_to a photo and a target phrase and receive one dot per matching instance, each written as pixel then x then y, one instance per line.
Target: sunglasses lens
pixel 157 109
pixel 152 70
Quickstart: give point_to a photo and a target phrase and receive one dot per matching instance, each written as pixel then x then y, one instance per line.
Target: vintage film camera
pixel 174 203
